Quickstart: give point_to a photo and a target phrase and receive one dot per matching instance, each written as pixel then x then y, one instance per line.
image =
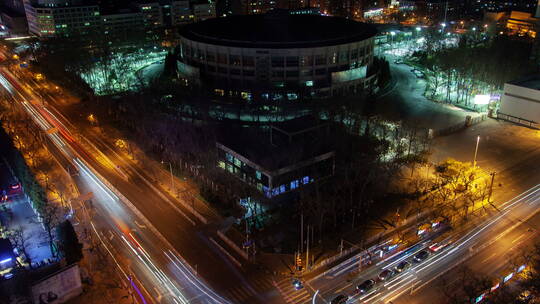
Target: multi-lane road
pixel 487 246
pixel 159 245
pixel 166 255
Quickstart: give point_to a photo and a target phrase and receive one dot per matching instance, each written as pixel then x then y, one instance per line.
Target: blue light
pixel 5 261
pixel 508 277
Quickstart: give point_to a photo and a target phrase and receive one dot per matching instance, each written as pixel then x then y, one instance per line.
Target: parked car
pixel 366 286
pixel 401 267
pixel 386 274
pixel 340 299
pixel 421 256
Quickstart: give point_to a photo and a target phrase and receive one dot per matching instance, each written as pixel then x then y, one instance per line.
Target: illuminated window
pixel 221 164
pixel 309 83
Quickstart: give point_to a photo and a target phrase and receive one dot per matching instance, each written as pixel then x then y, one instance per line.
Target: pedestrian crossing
pixel 244 294
pixel 290 294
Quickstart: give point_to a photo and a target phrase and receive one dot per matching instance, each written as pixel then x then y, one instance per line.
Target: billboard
pixel 58 287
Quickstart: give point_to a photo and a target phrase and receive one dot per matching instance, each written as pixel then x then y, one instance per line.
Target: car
pixel 437 246
pixel 386 274
pixel 366 286
pixel 340 299
pixel 401 267
pixel 297 284
pixel 421 256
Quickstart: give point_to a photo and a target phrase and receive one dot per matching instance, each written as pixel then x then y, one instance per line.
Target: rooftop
pixel 531 82
pixel 299 125
pixel 258 148
pixel 278 29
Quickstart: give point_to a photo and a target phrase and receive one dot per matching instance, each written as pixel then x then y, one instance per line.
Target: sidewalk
pixel 25 218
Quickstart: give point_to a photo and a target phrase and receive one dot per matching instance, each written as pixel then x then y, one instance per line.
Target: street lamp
pixel 392 33
pixel 476 151
pixel 172 178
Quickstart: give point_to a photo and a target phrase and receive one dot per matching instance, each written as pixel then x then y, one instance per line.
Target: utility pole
pixel 491 185
pixel 301 231
pixel 307 248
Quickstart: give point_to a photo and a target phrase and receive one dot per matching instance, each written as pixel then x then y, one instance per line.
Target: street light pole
pixel 491 186
pixel 476 151
pixel 172 178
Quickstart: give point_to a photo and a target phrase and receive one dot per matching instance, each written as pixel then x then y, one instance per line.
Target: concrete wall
pixel 521 102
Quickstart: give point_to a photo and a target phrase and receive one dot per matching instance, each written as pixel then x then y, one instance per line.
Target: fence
pixel 517 120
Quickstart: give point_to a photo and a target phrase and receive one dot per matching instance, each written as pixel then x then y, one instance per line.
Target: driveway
pixel 406 102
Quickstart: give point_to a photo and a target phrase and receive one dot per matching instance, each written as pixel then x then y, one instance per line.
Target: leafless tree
pixel 21 241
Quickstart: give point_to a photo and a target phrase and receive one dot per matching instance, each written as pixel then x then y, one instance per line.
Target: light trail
pixel 46 121
pixel 194 280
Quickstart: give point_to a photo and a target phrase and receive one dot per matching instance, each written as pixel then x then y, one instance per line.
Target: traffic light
pixel 299 266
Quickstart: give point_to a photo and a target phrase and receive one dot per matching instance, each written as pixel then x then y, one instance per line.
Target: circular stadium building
pixel 278 56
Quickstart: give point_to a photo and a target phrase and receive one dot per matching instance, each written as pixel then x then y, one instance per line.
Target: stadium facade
pixel 278 56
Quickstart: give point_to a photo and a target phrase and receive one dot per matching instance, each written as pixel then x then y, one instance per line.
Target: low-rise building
pixel 521 101
pixel 289 156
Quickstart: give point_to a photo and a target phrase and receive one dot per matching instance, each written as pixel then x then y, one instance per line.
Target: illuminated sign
pixel 494 287
pixel 508 277
pixel 521 268
pixel 479 299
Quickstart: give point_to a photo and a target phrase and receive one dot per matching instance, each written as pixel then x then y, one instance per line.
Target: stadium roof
pixel 278 29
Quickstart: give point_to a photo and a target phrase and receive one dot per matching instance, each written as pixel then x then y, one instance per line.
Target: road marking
pixel 489 257
pixel 343 288
pixel 518 238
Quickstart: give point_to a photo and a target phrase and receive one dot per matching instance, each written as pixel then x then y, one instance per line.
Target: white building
pixel 52 18
pixel 521 101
